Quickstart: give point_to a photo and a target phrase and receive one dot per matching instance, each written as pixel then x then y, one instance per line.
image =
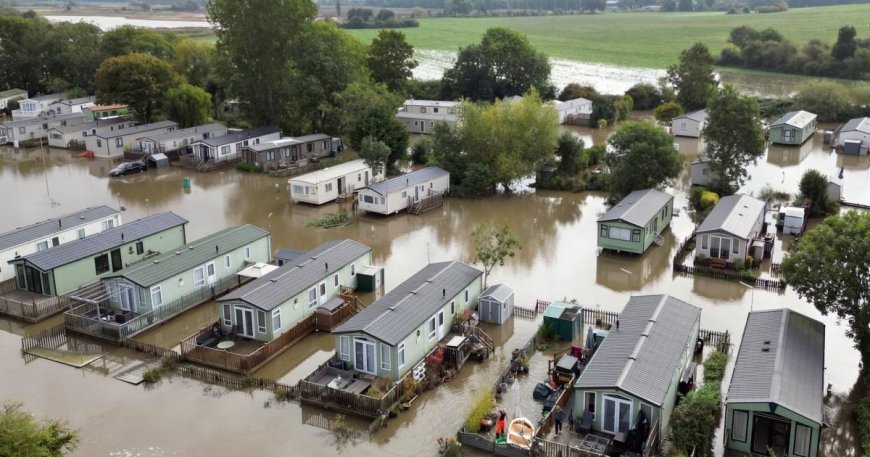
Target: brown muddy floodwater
pixel 558 260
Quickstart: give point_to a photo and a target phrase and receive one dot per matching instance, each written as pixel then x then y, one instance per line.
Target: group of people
pixel 557 412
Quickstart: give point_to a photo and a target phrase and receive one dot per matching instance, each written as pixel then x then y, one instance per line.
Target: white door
pixel 364 355
pixel 245 322
pixel 125 292
pixel 210 272
pixel 322 292
pixel 617 415
pixel 441 325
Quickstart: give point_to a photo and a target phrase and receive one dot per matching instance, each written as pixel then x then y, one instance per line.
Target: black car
pixel 127 168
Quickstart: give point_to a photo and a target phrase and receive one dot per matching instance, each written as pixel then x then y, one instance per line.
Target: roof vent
pixel 177 252
pixel 765 349
pixel 156 261
pixel 443 292
pixel 766 342
pixel 82 217
pixel 273 280
pixel 217 248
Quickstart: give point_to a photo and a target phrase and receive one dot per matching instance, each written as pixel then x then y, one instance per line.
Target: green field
pixel 650 40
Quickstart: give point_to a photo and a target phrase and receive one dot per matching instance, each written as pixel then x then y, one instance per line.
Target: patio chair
pixel 585 424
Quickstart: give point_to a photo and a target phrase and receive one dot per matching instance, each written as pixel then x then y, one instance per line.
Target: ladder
pixel 659 241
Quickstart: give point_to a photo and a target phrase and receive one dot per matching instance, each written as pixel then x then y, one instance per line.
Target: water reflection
pixel 626 272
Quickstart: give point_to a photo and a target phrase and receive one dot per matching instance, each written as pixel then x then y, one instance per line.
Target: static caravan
pixel 576 112
pixel 114 142
pixel 53 232
pixel 793 220
pixel 853 138
pixel 420 116
pixel 73 105
pixel 793 128
pixel 496 304
pixel 291 150
pixel 180 139
pixel 633 224
pixel 73 136
pixel 399 193
pixel 690 124
pixel 30 108
pixel 702 172
pixel 34 128
pixel 11 95
pixel 229 147
pixel 728 232
pixel 95 112
pixel 324 186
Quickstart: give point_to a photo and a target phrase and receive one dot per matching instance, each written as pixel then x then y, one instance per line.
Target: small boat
pixel 520 432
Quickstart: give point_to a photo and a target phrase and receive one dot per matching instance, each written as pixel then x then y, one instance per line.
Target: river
pixel 558 259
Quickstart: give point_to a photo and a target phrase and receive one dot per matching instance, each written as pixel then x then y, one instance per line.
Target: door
pixel 125 297
pixel 116 260
pixel 416 193
pixel 245 322
pixel 769 433
pixel 322 292
pixel 34 280
pixel 423 127
pixel 441 325
pixel 364 355
pixel 341 185
pixel 617 415
pixel 210 272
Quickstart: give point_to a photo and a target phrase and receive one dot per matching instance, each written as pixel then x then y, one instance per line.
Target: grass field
pixel 649 40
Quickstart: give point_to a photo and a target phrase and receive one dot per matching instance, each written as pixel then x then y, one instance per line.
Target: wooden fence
pixel 52 337
pixel 8 285
pixel 150 349
pixel 242 363
pixel 720 340
pixel 562 401
pixel 327 322
pixel 775 269
pixel 485 444
pixel 600 318
pixel 683 249
pixel 525 313
pixel 545 448
pixel 774 284
pixel 35 310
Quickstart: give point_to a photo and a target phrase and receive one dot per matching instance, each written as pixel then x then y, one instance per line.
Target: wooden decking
pixel 31 307
pixel 436 200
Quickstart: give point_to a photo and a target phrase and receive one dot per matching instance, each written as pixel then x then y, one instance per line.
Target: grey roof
pixel 446 117
pixel 103 241
pixel 499 292
pixel 860 124
pixel 638 207
pixel 240 136
pixel 735 214
pixel 288 254
pixel 414 178
pixel 312 137
pixel 183 133
pixel 798 119
pixel 76 101
pixel 42 119
pixel 12 93
pixel 433 103
pixel 101 123
pixel 289 141
pixel 55 96
pixel 640 357
pixel 791 372
pixel 40 230
pixel 405 308
pixel 697 115
pixel 171 263
pixel 144 129
pixel 276 287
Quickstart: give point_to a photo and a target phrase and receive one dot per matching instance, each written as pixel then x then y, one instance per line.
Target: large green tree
pixel 570 153
pixel 831 269
pixel 390 59
pixel 128 39
pixel 74 57
pixel 187 105
pixel 356 100
pixel 138 80
pixel 641 156
pixel 195 60
pixel 734 136
pixel 256 41
pixel 22 435
pixel 25 47
pixel 846 44
pixel 380 124
pixel 375 154
pixel 814 187
pixel 504 64
pixel 693 77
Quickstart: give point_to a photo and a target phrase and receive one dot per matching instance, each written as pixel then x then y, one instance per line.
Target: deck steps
pixel 132 373
pixel 659 241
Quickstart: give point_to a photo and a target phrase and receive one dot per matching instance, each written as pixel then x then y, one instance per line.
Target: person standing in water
pixel 500 424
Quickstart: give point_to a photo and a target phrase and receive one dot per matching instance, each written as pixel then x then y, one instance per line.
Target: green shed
pixel 566 319
pixel 369 278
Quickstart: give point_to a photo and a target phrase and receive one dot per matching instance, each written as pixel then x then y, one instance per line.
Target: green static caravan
pixel 775 399
pixel 392 335
pixel 179 272
pixel 633 224
pixel 792 128
pixel 632 380
pixel 305 282
pixel 67 267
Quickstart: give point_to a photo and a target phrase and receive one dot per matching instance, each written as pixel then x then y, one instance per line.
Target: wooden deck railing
pixel 562 400
pixel 652 441
pixel 242 363
pixel 35 310
pixel 8 285
pixel 327 322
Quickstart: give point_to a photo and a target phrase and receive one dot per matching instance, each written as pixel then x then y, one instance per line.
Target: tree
pixel 814 187
pixel 592 5
pixel 24 43
pixel 741 36
pixel 380 124
pixel 828 99
pixel 492 246
pixel 693 77
pixel 641 156
pixel 128 39
pixel 570 153
pixel 504 64
pixel 622 108
pixel 74 57
pixel 138 80
pixel 390 59
pixel 22 435
pixel 645 96
pixel 375 154
pixel 831 269
pixel 256 56
pixel 195 60
pixel 574 91
pixel 846 44
pixel 666 112
pixel 385 15
pixel 734 136
pixel 685 5
pixel 187 105
pixel 356 101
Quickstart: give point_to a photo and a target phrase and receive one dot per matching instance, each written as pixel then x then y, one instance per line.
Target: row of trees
pixel 768 50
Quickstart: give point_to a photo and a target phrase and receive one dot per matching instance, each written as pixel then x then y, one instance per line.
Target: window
pixel 228 315
pixel 635 235
pixel 101 263
pixel 386 358
pixel 705 171
pixel 401 354
pixel 328 187
pixel 261 321
pixel 739 420
pixel 382 200
pixel 358 177
pixel 81 233
pixel 590 402
pixel 199 277
pixel 225 150
pixel 617 414
pixel 404 194
pixel 156 296
pixel 312 297
pixel 440 318
pixel 344 347
pixel 22 130
pixel 140 248
pixel 618 233
pixel 720 247
pixel 466 296
pixel 41 246
pixel 704 242
pixel 276 319
pixel 247 252
pixel 433 329
pixel 119 142
pixel 99 143
pixel 453 307
pixel 228 261
pixel 647 413
pixel 735 246
pixel 298 190
pixel 788 135
pixel 368 199
pixel 352 269
pixel 603 232
pixel 322 289
pixel 335 280
pixel 665 212
pixel 434 110
pixel 423 109
pixel 108 224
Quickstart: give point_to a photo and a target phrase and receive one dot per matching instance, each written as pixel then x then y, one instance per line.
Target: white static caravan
pixel 690 124
pixel 397 194
pixel 324 186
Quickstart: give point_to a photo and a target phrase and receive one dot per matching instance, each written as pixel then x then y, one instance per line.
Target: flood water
pixel 110 22
pixel 558 259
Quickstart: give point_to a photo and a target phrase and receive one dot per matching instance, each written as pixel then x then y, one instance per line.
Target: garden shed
pixel 369 278
pixel 496 304
pixel 566 319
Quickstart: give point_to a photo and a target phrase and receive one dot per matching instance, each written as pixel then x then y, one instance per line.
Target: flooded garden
pixel 559 260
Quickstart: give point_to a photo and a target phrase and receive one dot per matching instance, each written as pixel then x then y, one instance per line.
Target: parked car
pixel 127 168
